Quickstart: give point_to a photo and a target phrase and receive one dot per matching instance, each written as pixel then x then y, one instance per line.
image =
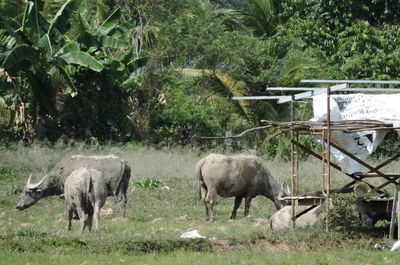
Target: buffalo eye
pixel 33 191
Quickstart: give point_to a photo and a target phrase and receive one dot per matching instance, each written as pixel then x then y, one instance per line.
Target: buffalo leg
pixel 83 216
pixel 89 221
pixel 203 195
pixel 122 200
pixel 206 212
pixel 210 199
pixel 70 215
pixel 247 202
pixel 121 193
pixel 96 216
pixel 236 205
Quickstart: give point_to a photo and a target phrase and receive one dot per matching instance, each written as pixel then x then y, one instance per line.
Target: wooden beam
pixel 371 168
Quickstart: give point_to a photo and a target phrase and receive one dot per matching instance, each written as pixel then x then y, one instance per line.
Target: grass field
pixel 156 217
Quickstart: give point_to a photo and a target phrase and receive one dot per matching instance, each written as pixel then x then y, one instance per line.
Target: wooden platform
pixel 304 200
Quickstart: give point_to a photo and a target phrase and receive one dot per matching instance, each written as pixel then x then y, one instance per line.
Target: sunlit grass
pixel 350 256
pixel 156 217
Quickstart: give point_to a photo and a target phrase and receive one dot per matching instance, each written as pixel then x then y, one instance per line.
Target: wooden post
pixel 328 155
pixel 293 158
pixel 393 217
pixel 398 211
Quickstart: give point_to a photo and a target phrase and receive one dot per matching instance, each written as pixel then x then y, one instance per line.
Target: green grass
pixel 156 218
pixel 349 256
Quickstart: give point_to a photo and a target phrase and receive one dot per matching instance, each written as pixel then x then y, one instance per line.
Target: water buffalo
pixel 116 173
pixel 282 219
pixel 85 191
pixel 240 176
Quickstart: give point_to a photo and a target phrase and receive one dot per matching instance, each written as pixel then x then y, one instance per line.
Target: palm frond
pixel 295 65
pixel 144 35
pixel 234 87
pixel 237 89
pixel 260 16
pixel 233 19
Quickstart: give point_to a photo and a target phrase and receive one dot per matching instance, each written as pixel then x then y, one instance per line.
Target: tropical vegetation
pixel 163 72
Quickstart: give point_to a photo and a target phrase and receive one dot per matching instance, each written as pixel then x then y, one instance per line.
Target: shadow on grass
pixel 29 240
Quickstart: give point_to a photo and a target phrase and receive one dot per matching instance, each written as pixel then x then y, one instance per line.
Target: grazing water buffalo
pixel 85 192
pixel 116 173
pixel 240 176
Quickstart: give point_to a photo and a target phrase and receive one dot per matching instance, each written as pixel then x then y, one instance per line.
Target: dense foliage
pixel 164 71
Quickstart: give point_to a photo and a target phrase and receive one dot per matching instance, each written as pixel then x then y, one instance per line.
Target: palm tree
pixel 234 87
pixel 261 16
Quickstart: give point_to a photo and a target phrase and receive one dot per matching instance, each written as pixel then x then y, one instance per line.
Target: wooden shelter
pixel 323 130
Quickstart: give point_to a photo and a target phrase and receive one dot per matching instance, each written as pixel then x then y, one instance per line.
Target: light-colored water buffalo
pixel 115 170
pixel 85 191
pixel 239 176
pixel 282 219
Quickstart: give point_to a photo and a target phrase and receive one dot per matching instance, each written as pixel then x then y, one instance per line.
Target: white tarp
pixel 357 107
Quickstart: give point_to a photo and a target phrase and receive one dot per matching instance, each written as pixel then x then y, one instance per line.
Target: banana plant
pixel 45 43
pixel 31 53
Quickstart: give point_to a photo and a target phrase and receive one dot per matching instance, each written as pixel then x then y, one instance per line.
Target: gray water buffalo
pixel 85 191
pixel 116 173
pixel 240 176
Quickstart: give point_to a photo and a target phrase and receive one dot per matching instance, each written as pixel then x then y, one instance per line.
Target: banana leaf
pixel 110 23
pixel 63 15
pixel 83 59
pixel 17 54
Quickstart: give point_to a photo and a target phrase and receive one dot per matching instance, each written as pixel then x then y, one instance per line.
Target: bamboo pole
pixel 293 158
pixel 398 210
pixel 328 155
pixel 393 216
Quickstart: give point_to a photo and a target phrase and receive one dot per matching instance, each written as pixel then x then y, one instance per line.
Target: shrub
pixel 343 216
pixel 280 147
pixel 181 118
pixel 149 183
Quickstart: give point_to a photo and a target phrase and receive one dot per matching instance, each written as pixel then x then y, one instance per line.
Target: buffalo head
pixel 30 195
pixel 281 194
